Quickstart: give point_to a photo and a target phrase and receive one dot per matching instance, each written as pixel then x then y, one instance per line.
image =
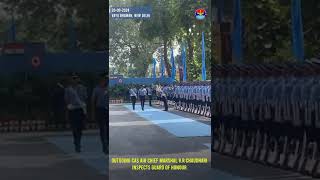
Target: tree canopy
pixel 171 22
pixel 48 21
pixel 267 31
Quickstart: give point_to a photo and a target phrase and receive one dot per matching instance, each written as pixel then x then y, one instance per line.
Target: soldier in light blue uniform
pixel 142 96
pixel 164 99
pixel 133 96
pixel 179 97
pixel 190 98
pixel 206 99
pixel 149 92
pixel 185 91
pixel 198 97
pixel 175 97
pixel 203 99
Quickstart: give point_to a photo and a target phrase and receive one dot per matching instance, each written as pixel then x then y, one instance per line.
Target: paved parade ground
pixel 156 133
pixel 150 133
pixel 50 156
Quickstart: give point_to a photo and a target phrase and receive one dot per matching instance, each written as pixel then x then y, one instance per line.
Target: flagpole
pixel 297 30
pixel 184 64
pixel 162 67
pixel 203 59
pixel 173 69
pixel 154 68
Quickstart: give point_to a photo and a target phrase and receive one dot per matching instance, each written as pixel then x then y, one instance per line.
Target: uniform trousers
pixel 142 100
pixel 150 99
pixel 76 118
pixel 133 101
pixel 102 120
pixel 165 102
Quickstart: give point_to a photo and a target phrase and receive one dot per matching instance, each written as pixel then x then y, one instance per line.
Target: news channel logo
pixel 200 14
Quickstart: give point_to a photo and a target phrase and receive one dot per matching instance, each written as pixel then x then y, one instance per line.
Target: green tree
pixel 161 26
pixel 48 21
pixel 130 54
pixel 266 31
pixel 311 27
pixel 171 21
pixel 189 34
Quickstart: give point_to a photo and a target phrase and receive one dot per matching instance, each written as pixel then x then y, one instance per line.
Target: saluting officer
pixel 99 102
pixel 208 100
pixel 164 99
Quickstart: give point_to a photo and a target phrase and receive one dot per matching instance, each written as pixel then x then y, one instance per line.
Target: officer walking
pixel 133 96
pixel 142 96
pixel 100 110
pixel 76 112
pixel 149 92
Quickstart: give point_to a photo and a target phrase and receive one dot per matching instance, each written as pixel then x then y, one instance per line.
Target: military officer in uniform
pixel 149 92
pixel 76 112
pixel 100 110
pixel 164 99
pixel 133 96
pixel 142 96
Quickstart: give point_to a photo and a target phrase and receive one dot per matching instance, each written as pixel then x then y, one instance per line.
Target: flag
pixel 184 63
pixel 297 30
pixel 162 67
pixel 173 69
pixel 154 68
pixel 204 73
pixel 237 32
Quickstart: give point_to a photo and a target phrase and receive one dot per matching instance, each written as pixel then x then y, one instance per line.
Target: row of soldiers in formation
pixel 269 114
pixel 193 97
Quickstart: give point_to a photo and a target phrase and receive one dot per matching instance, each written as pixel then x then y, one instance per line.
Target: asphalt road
pixel 132 136
pixel 50 156
pixel 30 156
